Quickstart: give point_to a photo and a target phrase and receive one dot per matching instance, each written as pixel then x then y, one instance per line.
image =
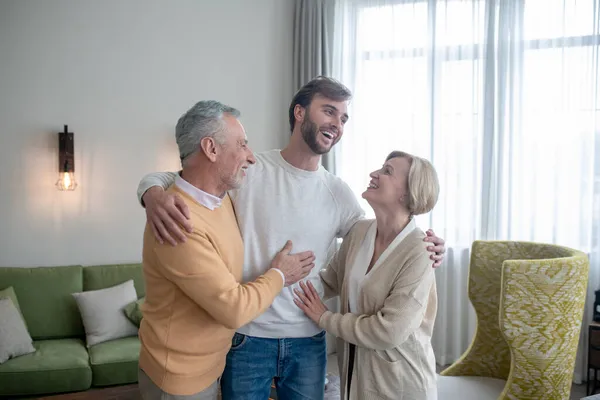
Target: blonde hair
pixel 423 184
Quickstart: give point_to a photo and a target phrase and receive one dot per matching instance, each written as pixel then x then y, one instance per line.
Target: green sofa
pixel 62 362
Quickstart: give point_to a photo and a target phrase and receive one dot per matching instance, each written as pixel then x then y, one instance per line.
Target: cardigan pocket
pixel 409 365
pixel 372 395
pixel 383 377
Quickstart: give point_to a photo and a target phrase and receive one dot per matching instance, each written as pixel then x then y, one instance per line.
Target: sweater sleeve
pixel 401 314
pixel 162 179
pixel 198 270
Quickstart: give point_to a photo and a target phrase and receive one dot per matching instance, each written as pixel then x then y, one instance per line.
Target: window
pixel 507 112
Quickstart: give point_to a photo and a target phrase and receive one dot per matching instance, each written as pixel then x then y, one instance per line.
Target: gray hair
pixel 204 119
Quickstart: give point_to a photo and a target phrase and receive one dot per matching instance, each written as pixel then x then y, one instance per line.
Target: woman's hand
pixel 310 302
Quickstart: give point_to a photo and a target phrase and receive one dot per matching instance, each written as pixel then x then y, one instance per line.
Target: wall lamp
pixel 66 161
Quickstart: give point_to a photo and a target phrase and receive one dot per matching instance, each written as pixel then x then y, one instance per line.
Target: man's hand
pixel 438 248
pixel 310 302
pixel 293 266
pixel 165 213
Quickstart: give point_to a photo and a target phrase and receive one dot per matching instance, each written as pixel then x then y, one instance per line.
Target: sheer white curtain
pixel 502 96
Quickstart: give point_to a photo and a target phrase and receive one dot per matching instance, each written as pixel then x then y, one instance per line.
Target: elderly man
pixel 194 301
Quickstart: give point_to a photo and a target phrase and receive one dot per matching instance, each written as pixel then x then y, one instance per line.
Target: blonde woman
pixel 383 275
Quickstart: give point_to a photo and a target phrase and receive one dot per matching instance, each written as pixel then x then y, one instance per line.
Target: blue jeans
pixel 296 365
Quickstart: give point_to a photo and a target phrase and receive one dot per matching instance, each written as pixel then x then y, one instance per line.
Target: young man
pixel 195 287
pixel 287 195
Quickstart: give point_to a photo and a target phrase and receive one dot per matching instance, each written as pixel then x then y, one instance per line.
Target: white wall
pixel 120 73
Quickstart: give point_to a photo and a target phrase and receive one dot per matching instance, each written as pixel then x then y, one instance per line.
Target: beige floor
pixel 577 391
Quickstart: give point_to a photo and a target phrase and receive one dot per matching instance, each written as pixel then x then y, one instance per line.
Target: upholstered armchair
pixel 529 301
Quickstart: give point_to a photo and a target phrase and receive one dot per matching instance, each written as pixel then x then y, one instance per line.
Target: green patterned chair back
pixel 520 319
pixel 541 312
pixel 488 355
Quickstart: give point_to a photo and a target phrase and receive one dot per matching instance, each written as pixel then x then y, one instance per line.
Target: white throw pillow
pixel 15 340
pixel 102 312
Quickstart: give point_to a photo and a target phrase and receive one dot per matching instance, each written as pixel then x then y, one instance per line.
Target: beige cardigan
pixel 392 334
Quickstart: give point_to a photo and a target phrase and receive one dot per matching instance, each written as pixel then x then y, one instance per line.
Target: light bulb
pixel 66 181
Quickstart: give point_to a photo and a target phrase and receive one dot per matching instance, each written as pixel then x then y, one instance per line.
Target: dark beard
pixel 309 131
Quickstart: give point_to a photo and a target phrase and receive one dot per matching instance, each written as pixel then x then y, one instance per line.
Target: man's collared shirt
pixel 206 199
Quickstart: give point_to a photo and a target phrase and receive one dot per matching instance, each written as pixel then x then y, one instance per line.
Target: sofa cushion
pixel 103 276
pixel 59 365
pixel 115 362
pixel 133 311
pixel 14 338
pixel 102 313
pixel 45 299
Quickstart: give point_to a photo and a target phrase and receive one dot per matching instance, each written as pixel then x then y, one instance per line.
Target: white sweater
pixel 278 202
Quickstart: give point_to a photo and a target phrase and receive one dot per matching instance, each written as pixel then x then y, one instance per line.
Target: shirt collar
pixel 206 199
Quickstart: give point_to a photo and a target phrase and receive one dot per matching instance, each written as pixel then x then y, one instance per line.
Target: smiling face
pixel 322 123
pixel 389 185
pixel 235 155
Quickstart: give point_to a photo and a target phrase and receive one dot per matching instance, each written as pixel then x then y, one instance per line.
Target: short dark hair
pixel 325 86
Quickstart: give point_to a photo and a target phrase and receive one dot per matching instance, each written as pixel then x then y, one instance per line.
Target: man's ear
pixel 299 113
pixel 210 148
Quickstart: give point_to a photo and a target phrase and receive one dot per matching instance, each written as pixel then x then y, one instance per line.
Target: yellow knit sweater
pixel 194 301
